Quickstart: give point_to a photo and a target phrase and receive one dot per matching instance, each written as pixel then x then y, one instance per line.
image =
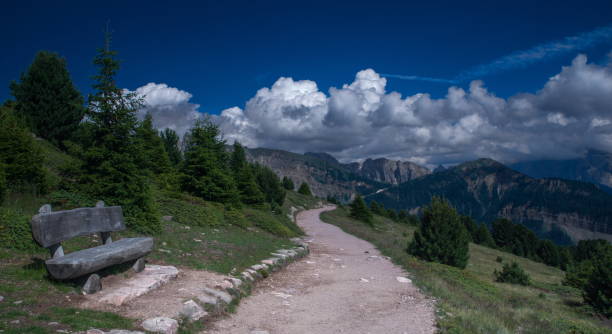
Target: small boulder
pixel 192 311
pixel 403 279
pixel 222 295
pixel 161 325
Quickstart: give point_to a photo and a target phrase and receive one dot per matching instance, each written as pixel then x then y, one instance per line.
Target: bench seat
pixel 90 260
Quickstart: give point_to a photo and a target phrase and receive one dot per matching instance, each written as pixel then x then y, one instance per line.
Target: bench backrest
pixel 51 228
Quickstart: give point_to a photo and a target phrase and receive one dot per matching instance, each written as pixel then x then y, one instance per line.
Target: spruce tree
pixel 110 170
pixel 304 189
pixel 20 155
pixel 548 253
pixel 360 211
pixel 483 236
pixel 152 152
pixel 2 183
pixel 248 189
pixel 598 288
pixel 171 144
pixel 206 166
pixel 470 226
pixel 288 183
pixel 48 100
pixel 270 185
pixel 442 237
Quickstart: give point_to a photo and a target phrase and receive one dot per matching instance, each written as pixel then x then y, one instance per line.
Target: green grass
pixel 469 301
pixel 34 300
pixel 221 249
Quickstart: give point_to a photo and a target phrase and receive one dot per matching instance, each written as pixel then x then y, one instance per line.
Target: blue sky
pixel 211 56
pixel 223 51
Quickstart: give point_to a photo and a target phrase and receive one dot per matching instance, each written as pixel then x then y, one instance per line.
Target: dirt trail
pixel 343 286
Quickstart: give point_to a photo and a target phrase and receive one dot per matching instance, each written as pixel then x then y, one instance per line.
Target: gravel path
pixel 343 286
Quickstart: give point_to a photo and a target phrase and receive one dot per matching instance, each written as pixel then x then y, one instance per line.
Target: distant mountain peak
pixel 480 163
pixel 323 156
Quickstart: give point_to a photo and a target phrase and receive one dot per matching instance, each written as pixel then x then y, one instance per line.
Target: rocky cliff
pixel 388 171
pixel 323 173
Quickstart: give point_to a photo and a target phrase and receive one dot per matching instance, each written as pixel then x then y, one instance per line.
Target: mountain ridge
pixel 486 189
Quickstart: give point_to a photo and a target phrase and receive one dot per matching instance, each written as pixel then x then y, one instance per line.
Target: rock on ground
pixel 161 325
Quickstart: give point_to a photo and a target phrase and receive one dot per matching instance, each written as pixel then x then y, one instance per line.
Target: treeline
pixel 116 157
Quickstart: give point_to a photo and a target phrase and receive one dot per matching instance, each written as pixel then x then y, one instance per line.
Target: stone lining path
pixel 343 286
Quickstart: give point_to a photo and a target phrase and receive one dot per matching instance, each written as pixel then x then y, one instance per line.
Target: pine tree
pixel 2 183
pixel 171 143
pixel 442 237
pixel 598 288
pixel 110 170
pixel 152 155
pixel 548 253
pixel 250 192
pixel 483 236
pixel 288 183
pixel 48 100
pixel 470 226
pixel 20 155
pixel 270 185
pixel 377 209
pixel 304 189
pixel 360 211
pixel 205 169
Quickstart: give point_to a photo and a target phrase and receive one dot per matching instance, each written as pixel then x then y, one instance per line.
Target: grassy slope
pixel 469 301
pixel 201 235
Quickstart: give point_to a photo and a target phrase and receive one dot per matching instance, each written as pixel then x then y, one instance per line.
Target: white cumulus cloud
pixel 571 113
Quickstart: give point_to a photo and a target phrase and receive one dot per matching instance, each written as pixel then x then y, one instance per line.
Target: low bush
pixel 15 231
pixel 513 274
pixel 597 290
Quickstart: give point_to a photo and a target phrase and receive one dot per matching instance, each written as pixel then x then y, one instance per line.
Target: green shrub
pixel 499 259
pixel 305 189
pixel 513 274
pixel 442 236
pixel 578 274
pixel 598 289
pixel 288 183
pixel 15 231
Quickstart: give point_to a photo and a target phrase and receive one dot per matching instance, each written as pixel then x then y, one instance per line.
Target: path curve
pixel 343 286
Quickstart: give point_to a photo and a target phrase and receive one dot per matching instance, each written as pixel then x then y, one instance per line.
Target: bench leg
pixel 139 265
pixel 92 285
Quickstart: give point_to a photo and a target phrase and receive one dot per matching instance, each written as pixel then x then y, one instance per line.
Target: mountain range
pixel 564 201
pixel 594 167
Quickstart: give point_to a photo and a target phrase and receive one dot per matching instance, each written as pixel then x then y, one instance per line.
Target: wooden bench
pixel 49 229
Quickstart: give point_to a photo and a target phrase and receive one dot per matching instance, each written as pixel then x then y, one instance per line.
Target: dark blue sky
pixel 223 51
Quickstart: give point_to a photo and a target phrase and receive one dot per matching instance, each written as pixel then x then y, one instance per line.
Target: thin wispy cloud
pixel 419 78
pixel 523 58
